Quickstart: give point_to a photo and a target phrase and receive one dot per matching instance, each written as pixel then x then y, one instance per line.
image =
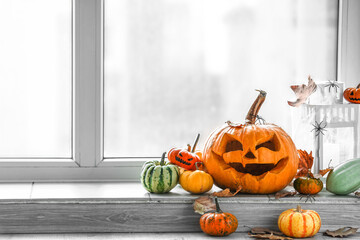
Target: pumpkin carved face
pixel 258 158
pixel 352 94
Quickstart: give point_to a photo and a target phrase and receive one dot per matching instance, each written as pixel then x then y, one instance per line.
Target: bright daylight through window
pixel 176 68
pixel 35 73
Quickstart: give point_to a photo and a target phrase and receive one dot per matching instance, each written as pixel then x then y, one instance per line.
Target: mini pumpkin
pixel 352 94
pixel 185 158
pixel 259 158
pixel 308 185
pixel 196 182
pixel 299 223
pixel 159 177
pixel 218 223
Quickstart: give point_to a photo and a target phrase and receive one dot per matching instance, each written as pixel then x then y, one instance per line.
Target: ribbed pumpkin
pixel 159 177
pixel 218 223
pixel 308 185
pixel 344 178
pixel 196 182
pixel 259 158
pixel 186 158
pixel 352 94
pixel 299 223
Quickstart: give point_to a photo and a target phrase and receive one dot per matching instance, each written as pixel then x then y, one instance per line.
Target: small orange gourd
pixel 308 185
pixel 299 223
pixel 352 94
pixel 196 182
pixel 218 223
pixel 185 158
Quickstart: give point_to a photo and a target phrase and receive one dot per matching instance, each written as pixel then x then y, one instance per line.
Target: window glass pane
pixel 35 78
pixel 175 68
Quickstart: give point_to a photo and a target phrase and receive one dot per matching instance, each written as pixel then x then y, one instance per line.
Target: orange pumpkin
pixel 352 94
pixel 218 223
pixel 259 158
pixel 196 182
pixel 299 223
pixel 185 158
pixel 308 185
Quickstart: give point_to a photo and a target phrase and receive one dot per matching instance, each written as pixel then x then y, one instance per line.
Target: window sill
pixel 127 207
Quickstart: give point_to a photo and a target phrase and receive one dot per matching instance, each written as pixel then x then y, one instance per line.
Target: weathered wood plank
pixel 152 216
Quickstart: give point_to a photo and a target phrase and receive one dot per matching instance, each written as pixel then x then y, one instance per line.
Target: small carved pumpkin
pixel 196 182
pixel 352 94
pixel 218 223
pixel 299 223
pixel 259 158
pixel 185 158
pixel 308 185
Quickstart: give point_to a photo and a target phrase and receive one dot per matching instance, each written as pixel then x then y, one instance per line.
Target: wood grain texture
pixel 152 216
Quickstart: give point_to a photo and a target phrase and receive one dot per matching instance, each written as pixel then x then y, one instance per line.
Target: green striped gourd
pixel 159 177
pixel 344 178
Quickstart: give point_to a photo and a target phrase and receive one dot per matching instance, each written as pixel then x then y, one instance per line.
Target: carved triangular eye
pixel 233 146
pixel 351 93
pixel 273 144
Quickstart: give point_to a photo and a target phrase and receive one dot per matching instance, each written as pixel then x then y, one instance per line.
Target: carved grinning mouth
pixel 257 169
pixel 356 99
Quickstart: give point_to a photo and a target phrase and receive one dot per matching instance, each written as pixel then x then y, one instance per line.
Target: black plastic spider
pixel 260 120
pixel 318 128
pixel 333 84
pixel 308 197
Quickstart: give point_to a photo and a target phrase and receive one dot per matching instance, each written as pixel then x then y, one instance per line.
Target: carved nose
pixel 250 155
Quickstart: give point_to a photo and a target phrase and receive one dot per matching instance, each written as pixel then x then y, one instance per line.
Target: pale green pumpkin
pixel 159 177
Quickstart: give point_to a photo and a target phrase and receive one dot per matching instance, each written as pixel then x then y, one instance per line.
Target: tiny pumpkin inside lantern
pixel 259 158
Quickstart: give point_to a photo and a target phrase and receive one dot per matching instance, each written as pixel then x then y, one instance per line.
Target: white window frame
pixel 87 162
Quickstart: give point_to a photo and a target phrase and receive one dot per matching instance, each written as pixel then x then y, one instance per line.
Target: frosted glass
pixel 175 68
pixel 35 78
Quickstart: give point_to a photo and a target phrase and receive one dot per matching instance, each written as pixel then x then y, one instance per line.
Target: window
pixel 114 82
pixel 35 73
pixel 176 68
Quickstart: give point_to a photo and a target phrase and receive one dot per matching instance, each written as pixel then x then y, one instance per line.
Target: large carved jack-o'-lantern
pixel 259 158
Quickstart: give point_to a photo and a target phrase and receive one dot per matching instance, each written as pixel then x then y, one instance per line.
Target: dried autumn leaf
pixel 357 194
pixel 341 232
pixel 302 92
pixel 261 230
pixel 325 171
pixel 282 194
pixel 204 204
pixel 226 193
pixel 306 161
pixel 269 236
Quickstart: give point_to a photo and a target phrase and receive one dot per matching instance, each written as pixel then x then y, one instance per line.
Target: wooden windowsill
pixel 127 207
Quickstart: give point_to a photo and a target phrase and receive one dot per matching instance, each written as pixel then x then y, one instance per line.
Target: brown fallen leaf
pixel 204 204
pixel 261 230
pixel 357 194
pixel 341 232
pixel 282 194
pixel 302 92
pixel 226 193
pixel 269 236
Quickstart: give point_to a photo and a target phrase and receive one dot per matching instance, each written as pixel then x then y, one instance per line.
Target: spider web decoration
pixel 319 128
pixel 332 84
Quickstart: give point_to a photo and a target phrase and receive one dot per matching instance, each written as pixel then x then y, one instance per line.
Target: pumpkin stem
pixel 358 86
pixel 196 165
pixel 298 209
pixel 188 147
pixel 195 143
pixel 255 107
pixel 218 210
pixel 162 162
